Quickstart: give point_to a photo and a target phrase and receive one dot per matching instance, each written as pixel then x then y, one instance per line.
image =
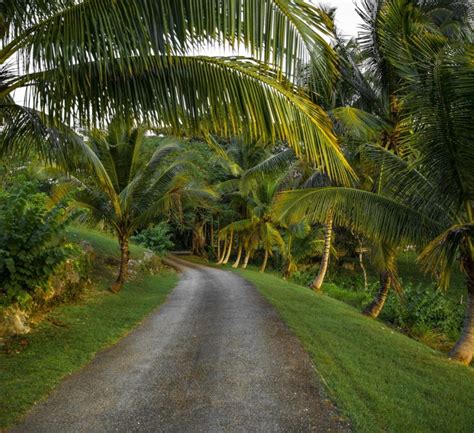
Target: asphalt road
pixel 215 358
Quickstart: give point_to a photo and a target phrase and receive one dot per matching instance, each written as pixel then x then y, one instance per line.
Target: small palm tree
pixel 128 187
pixel 260 229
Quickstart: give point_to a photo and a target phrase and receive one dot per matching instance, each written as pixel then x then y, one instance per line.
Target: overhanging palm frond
pixel 25 129
pixel 359 123
pixel 377 217
pixel 281 32
pixel 273 165
pixel 201 95
pixel 441 253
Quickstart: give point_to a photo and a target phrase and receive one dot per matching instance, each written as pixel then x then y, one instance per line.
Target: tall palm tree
pixel 427 192
pixel 87 61
pixel 371 84
pixel 125 186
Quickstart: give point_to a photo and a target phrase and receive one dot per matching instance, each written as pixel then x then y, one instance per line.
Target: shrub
pixel 31 246
pixel 156 238
pixel 424 309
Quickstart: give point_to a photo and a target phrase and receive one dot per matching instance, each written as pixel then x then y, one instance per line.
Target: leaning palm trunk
pixel 224 250
pixel 124 259
pixel 247 258
pixel 318 281
pixel 375 307
pixel 463 351
pixel 229 251
pixel 239 256
pixel 265 261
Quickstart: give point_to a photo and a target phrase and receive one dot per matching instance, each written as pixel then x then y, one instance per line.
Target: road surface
pixel 215 357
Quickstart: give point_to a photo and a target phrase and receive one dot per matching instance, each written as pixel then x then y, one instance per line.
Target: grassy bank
pixel 72 334
pixel 382 380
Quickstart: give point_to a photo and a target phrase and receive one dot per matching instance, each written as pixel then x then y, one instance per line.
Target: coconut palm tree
pixel 125 186
pixel 83 62
pixel 258 229
pixel 427 190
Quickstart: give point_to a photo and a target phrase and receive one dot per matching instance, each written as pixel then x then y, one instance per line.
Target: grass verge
pixel 72 334
pixel 381 379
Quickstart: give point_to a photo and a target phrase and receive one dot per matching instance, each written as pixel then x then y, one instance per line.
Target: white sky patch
pixel 347 20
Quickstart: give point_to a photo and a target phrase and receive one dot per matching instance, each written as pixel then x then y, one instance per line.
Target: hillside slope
pixel 382 380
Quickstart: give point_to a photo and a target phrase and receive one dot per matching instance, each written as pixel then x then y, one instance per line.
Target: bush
pixel 31 246
pixel 424 309
pixel 156 238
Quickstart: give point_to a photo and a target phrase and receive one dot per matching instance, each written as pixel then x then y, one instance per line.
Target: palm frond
pixel 442 252
pixel 377 217
pixel 358 123
pixel 199 95
pixel 281 32
pixel 273 165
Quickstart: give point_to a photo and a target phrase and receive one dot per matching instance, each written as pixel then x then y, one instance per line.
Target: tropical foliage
pixel 32 242
pixel 424 183
pixel 307 153
pixel 127 186
pixel 83 61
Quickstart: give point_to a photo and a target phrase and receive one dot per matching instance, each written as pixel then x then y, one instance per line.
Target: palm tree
pixel 259 229
pixel 385 261
pixel 371 84
pixel 427 190
pixel 81 62
pixel 122 184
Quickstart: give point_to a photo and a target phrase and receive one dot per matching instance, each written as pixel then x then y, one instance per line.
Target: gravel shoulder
pixel 215 357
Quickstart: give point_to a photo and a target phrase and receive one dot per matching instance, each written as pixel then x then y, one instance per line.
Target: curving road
pixel 215 358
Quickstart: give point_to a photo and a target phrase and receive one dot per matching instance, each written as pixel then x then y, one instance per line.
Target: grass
pixel 381 379
pixel 72 334
pixel 105 245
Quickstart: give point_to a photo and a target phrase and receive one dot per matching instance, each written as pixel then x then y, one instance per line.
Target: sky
pixel 346 17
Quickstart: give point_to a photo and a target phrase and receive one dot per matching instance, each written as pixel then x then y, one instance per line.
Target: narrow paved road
pixel 215 358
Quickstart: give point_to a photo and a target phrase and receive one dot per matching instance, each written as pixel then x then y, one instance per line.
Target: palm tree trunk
pixel 364 271
pixel 229 251
pixel 221 256
pixel 124 259
pixel 376 306
pixel 463 351
pixel 199 239
pixel 318 281
pixel 265 261
pixel 289 259
pixel 239 256
pixel 211 236
pixel 247 258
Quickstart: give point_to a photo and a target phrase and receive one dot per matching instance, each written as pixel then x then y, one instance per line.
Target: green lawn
pixel 105 245
pixel 382 380
pixel 74 333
